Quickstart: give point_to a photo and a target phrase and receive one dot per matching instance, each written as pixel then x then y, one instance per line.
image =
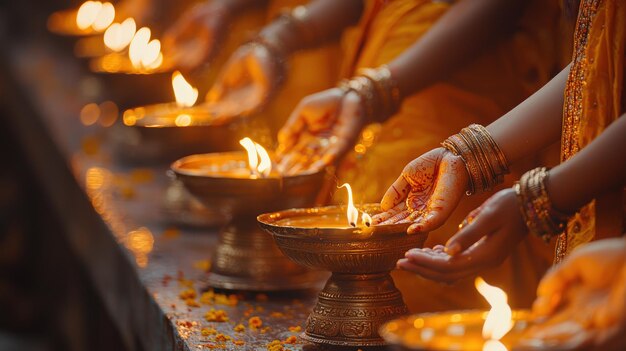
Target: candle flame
pixel 499 320
pixel 87 14
pixel 352 213
pixel 366 219
pixel 259 160
pixel 143 52
pixel 105 17
pixel 119 35
pixel 185 94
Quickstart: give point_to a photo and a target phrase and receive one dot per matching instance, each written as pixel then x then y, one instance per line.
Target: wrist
pixel 539 214
pixel 378 92
pixel 484 160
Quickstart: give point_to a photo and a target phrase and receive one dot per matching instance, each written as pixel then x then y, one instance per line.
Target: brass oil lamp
pixel 360 294
pixel 241 185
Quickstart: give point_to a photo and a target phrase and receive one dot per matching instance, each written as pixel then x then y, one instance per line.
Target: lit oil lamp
pixel 143 56
pixel 241 185
pixel 116 39
pixel 170 130
pixel 360 295
pixel 91 17
pixel 498 329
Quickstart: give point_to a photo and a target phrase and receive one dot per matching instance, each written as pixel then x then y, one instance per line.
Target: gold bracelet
pixel 539 215
pixel 485 162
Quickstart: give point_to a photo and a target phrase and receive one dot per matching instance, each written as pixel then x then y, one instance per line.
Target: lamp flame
pixel 119 35
pixel 185 94
pixel 105 17
pixel 499 320
pixel 143 52
pixel 96 15
pixel 259 160
pixel 87 14
pixel 352 213
pixel 366 219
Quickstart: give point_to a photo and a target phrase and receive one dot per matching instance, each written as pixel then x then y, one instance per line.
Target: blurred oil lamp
pixel 360 295
pixel 91 17
pixel 148 131
pixel 242 185
pixel 115 39
pixel 144 54
pixel 498 329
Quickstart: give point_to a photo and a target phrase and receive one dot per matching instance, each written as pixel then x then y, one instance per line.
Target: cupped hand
pixel 426 192
pixel 246 81
pixel 485 239
pixel 321 129
pixel 581 303
pixel 196 36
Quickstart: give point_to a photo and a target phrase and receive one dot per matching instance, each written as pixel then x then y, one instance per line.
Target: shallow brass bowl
pixel 238 197
pixel 150 134
pixel 341 250
pixel 449 331
pixel 360 295
pixel 245 257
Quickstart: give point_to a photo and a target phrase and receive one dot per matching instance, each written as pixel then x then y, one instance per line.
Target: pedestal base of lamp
pixel 352 307
pixel 247 258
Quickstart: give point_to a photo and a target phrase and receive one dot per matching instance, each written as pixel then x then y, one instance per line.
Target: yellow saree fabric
pixel 594 98
pixel 482 92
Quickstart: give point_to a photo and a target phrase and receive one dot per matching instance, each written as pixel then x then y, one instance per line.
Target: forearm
pixel 231 8
pixel 235 7
pixel 598 168
pixel 325 18
pixel 463 32
pixel 534 124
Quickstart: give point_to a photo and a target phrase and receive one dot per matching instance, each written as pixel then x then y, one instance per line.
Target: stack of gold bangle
pixel 484 160
pixel 541 218
pixel 378 91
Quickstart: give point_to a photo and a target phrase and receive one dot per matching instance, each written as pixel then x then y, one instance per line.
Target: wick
pixel 368 224
pixel 353 224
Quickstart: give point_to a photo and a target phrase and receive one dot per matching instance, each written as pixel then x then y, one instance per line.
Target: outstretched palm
pixel 428 190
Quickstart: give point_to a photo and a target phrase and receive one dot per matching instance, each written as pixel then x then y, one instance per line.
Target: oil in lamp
pixel 241 185
pixel 170 130
pixel 91 17
pixel 360 295
pixel 498 329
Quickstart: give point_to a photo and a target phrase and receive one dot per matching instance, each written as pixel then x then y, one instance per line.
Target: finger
pixel 396 193
pixel 423 223
pixel 291 131
pixel 383 216
pixel 440 262
pixel 408 265
pixel 397 217
pixel 470 234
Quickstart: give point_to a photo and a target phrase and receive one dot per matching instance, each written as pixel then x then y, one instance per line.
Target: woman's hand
pixel 321 129
pixel 485 239
pixel 582 301
pixel 426 192
pixel 196 36
pixel 246 81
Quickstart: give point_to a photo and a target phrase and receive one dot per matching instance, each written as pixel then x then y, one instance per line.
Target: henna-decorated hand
pixel 246 81
pixel 581 303
pixel 428 190
pixel 196 36
pixel 321 129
